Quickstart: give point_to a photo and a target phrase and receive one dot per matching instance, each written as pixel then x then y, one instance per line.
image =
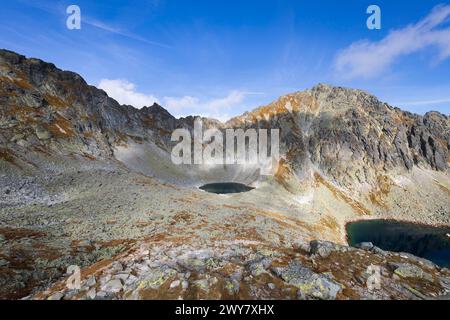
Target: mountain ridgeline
pixel 86 181
pixel 348 135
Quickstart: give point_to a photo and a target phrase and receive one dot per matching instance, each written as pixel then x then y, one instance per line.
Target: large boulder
pixel 407 270
pixel 42 134
pixel 311 285
pixel 325 248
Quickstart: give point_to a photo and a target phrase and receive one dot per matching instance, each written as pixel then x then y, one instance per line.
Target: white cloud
pixel 125 93
pixel 182 104
pixel 368 59
pixel 218 108
pixel 232 99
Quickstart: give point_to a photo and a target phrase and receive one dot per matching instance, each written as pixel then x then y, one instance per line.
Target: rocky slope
pixel 332 127
pixel 83 178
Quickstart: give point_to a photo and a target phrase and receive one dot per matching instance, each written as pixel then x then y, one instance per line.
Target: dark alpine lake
pixel 432 243
pixel 226 187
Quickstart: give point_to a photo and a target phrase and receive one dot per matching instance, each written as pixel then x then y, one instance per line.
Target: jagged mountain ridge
pixel 352 136
pixel 328 127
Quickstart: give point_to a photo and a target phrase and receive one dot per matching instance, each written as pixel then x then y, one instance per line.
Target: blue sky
pixel 221 58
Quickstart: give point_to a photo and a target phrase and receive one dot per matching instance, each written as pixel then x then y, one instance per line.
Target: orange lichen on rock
pixel 330 223
pixel 24 114
pixel 22 83
pixel 88 134
pixel 381 191
pixel 18 82
pixel 60 127
pixel 443 188
pixel 285 105
pixel 55 101
pixel 283 172
pixel 6 155
pixel 402 119
pixel 18 233
pixel 357 206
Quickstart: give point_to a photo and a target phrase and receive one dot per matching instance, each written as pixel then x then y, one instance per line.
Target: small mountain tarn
pixel 226 187
pixel 432 243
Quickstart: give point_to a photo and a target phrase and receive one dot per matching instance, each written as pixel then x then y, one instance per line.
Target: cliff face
pixel 42 106
pixel 351 136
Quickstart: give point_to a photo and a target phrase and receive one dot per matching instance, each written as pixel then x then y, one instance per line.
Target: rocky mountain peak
pixel 329 127
pixel 156 109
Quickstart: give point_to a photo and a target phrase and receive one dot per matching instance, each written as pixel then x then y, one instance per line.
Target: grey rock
pixel 116 266
pixel 406 270
pixel 68 295
pixel 379 251
pixel 56 296
pixel 23 143
pixel 193 264
pixel 17 137
pixel 130 280
pixel 238 274
pixel 202 284
pixel 311 285
pixel 301 245
pixel 85 243
pixel 90 281
pixel 174 284
pixel 419 260
pixel 325 248
pixel 365 246
pixel 101 294
pixel 445 283
pixel 42 133
pixel 4 263
pixel 121 276
pixel 259 266
pixel 6 124
pixel 156 277
pixel 232 286
pixel 114 286
pixel 91 294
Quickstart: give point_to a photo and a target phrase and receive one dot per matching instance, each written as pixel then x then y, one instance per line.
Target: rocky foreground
pixel 244 269
pixel 88 182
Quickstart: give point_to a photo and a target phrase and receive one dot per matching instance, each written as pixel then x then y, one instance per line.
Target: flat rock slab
pixel 311 285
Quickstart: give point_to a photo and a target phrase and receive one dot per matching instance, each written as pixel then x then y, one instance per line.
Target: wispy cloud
pixel 105 27
pixel 60 10
pixel 125 93
pixel 218 108
pixel 423 102
pixel 179 105
pixel 366 59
